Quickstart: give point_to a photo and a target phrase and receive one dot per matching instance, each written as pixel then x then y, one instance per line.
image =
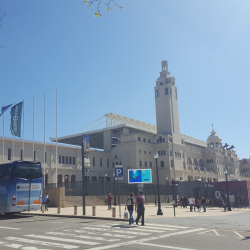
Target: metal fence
pixel 103 188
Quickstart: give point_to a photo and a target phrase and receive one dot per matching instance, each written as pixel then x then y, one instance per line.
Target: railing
pixel 103 188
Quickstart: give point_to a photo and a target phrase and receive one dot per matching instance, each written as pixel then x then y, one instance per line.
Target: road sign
pixel 119 171
pixel 139 176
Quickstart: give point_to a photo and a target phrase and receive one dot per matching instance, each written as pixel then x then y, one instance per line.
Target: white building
pixel 131 143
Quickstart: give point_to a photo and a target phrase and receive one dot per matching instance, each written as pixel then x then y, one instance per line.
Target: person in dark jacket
pixel 139 205
pixel 130 206
pixel 203 203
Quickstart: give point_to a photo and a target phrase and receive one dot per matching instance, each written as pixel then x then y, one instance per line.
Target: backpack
pixel 139 199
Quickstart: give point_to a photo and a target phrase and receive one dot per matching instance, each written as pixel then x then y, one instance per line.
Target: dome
pixel 213 138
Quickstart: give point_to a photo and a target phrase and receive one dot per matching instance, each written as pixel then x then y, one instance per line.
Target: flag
pixel 4 108
pixel 16 116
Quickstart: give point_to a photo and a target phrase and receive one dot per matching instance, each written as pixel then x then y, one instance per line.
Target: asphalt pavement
pixel 31 232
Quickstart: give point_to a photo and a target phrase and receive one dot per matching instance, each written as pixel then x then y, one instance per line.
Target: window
pixel 94 178
pixel 161 83
pixel 150 164
pixel 144 139
pixel 34 155
pixel 160 138
pixel 63 159
pixel 162 164
pixel 159 152
pixel 140 164
pixel 107 163
pixel 9 154
pixel 59 178
pixel 166 91
pixel 116 163
pixel 163 139
pixel 120 163
pixel 70 160
pixel 113 165
pixel 93 161
pixel 176 93
pixel 156 93
pixel 139 151
pixel 21 158
pixel 170 91
pixel 164 152
pixel 67 160
pixel 183 155
pixel 66 178
pixel 184 165
pixel 145 152
pixel 74 161
pixel 182 142
pixel 73 178
pixel 115 156
pixel 170 139
pixel 60 159
pixel 170 153
pixel 145 164
pixel 139 138
pixel 149 140
pixel 149 152
pixel 45 157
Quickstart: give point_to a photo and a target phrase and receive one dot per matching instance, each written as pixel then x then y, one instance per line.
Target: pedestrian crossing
pixel 85 237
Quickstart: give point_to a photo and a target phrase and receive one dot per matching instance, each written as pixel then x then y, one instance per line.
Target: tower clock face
pixel 161 83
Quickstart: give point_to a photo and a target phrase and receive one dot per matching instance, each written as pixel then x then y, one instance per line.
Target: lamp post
pixel 228 204
pixel 159 212
pixel 167 188
pixel 114 191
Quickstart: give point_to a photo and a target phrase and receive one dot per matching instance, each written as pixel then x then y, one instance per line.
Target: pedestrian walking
pixel 182 201
pixel 45 201
pixel 130 206
pixel 139 205
pixel 199 205
pixel 185 201
pixel 190 201
pixel 203 203
pixel 110 198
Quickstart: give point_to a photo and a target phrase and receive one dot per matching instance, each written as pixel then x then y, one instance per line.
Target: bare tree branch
pixel 110 5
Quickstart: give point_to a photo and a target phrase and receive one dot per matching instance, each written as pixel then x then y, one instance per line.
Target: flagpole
pixel 44 138
pixel 56 141
pixel 13 144
pixel 23 129
pixel 3 137
pixel 34 128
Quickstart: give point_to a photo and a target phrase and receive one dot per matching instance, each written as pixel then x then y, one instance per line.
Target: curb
pixel 77 216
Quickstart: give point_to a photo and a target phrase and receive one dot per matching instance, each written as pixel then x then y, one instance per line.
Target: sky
pixel 110 64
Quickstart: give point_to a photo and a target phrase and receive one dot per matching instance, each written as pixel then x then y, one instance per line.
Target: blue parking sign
pixel 119 172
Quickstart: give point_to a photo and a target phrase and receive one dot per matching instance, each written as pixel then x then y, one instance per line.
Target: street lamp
pixel 114 191
pixel 228 204
pixel 159 212
pixel 167 187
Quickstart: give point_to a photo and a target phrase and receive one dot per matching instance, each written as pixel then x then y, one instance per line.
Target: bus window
pixel 3 170
pixel 27 171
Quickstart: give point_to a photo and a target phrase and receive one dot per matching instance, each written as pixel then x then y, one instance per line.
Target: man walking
pixel 203 203
pixel 45 201
pixel 110 198
pixel 139 205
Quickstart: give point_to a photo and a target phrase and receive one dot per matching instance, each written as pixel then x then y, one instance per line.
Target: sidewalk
pixel 150 212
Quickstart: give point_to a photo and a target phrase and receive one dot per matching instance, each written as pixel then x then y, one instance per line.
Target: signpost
pixel 119 177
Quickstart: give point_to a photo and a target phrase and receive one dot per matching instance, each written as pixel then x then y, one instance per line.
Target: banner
pixel 139 176
pixel 16 118
pixel 4 108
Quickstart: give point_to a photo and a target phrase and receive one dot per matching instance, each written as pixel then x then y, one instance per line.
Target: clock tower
pixel 166 104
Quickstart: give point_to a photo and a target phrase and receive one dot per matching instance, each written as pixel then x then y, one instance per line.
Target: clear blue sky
pixel 111 63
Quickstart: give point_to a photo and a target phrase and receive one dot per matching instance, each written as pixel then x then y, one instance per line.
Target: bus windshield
pixel 27 170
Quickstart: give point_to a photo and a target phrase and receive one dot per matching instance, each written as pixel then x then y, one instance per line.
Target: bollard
pixel 75 210
pixel 58 209
pixel 113 212
pixel 93 210
pixel 43 208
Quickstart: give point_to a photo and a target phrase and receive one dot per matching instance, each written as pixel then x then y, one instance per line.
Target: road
pixel 26 232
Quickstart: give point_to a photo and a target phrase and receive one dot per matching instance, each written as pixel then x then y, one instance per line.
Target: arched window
pixel 66 178
pixel 160 139
pixel 189 161
pixel 200 163
pixel 59 180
